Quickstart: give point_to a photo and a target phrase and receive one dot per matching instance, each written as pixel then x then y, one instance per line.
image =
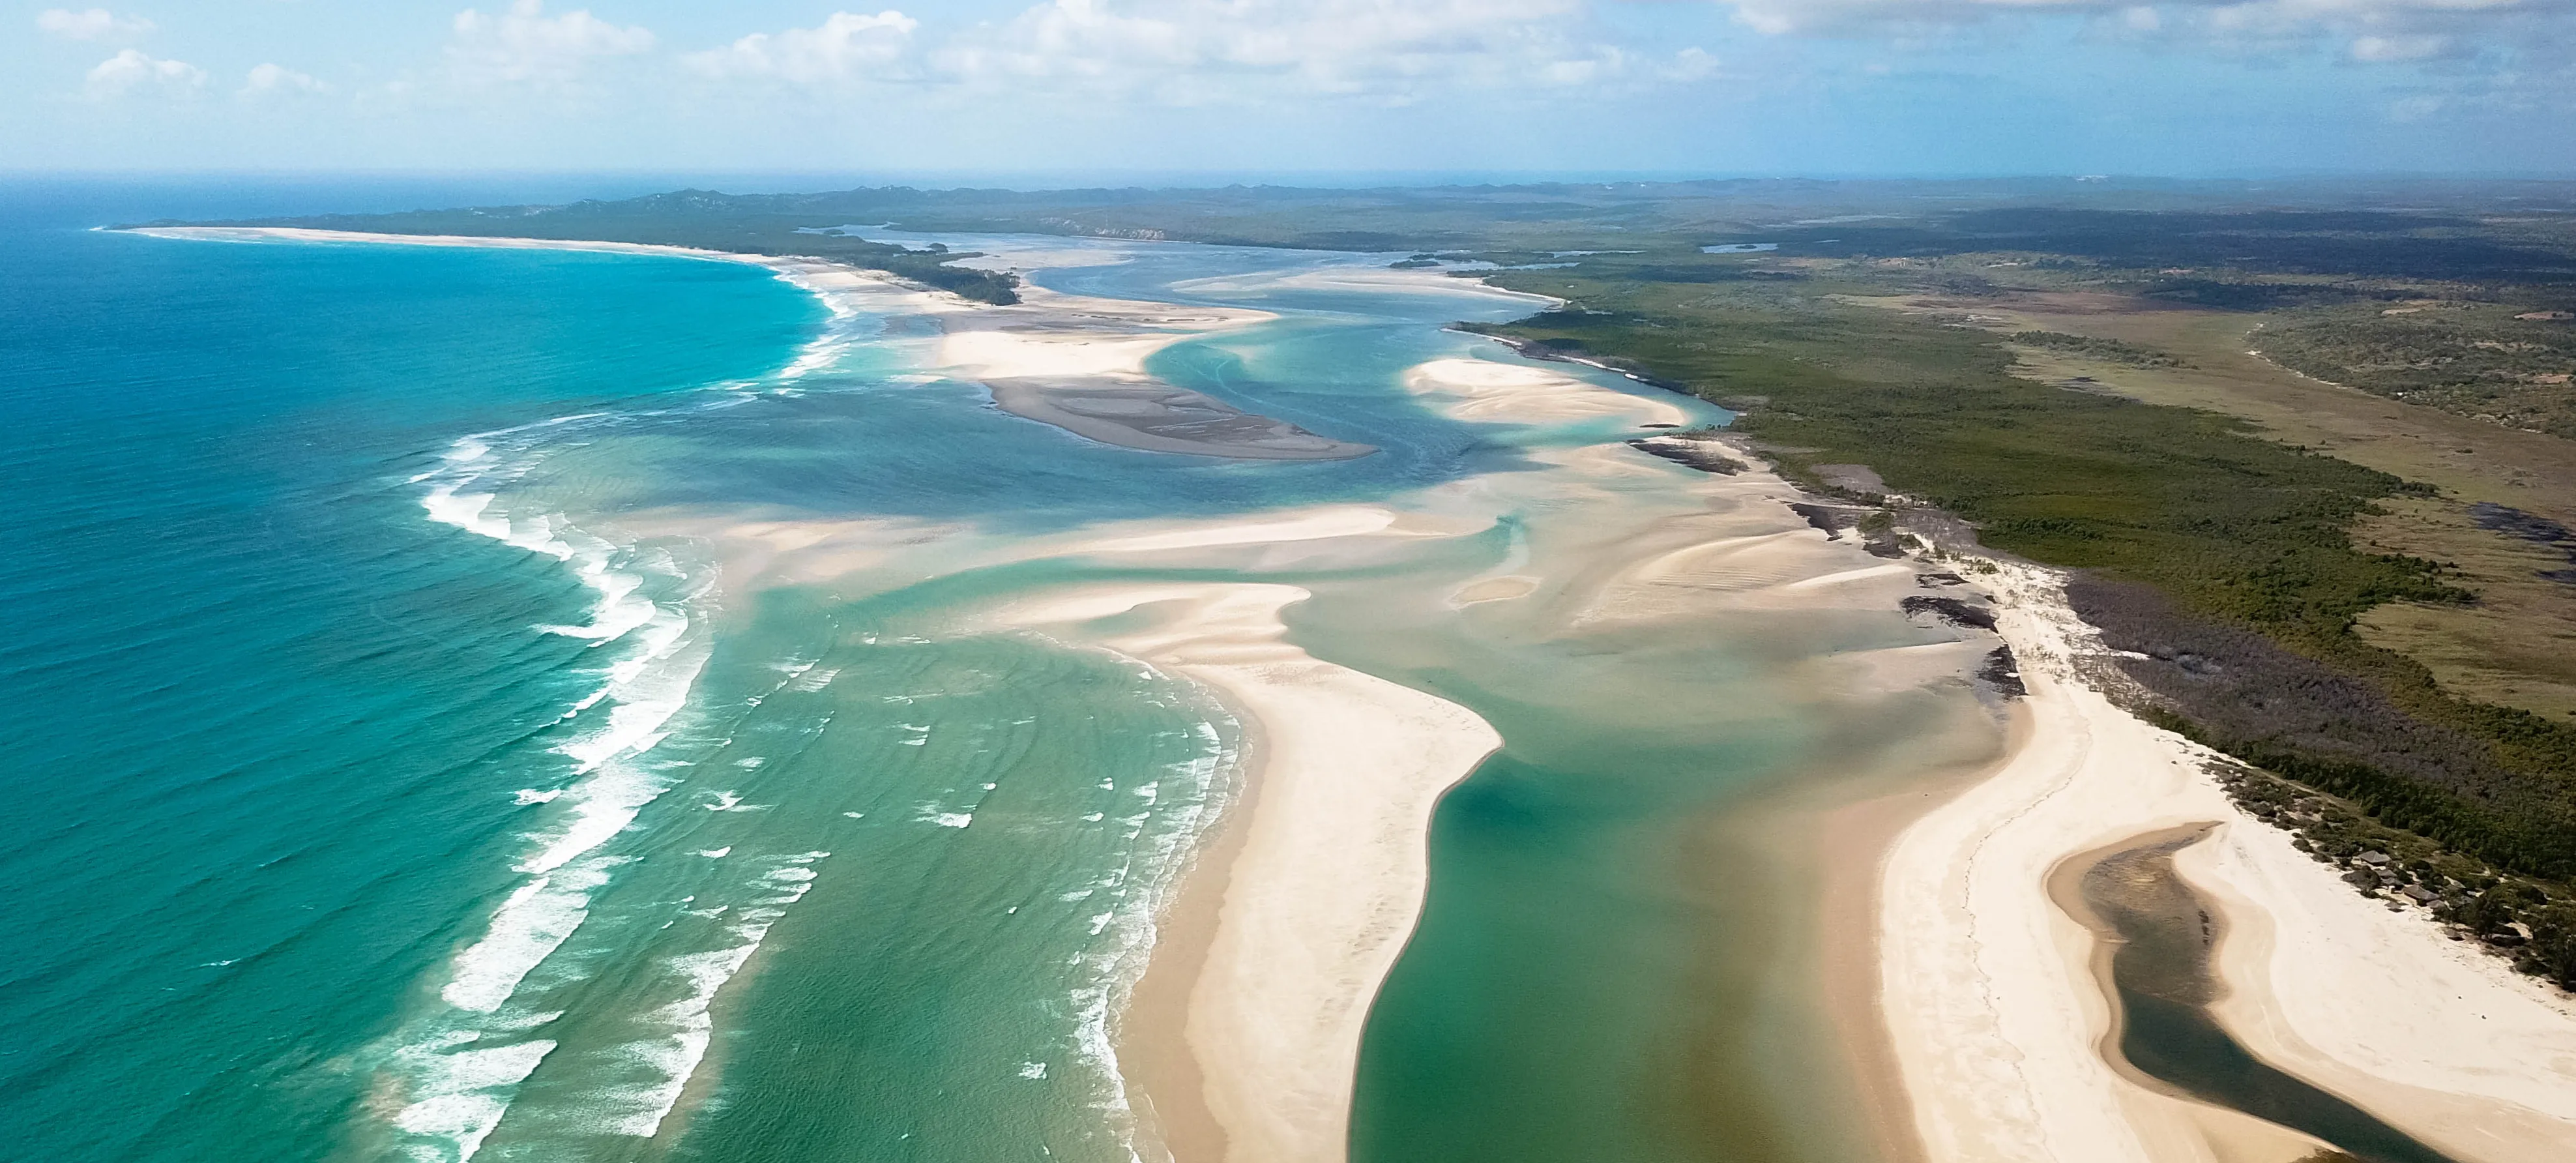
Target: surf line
pixel 458 1067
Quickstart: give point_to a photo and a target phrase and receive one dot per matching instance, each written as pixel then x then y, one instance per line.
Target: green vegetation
pixel 2240 526
pixel 2533 921
pixel 2510 363
pixel 2241 542
pixel 2111 350
pixel 2220 562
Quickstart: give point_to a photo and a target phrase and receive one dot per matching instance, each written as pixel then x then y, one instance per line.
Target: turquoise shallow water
pixel 395 778
pixel 265 721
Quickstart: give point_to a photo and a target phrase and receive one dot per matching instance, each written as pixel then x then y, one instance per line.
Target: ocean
pixel 402 769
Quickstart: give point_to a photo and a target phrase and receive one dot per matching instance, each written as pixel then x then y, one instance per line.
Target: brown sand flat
pixel 1158 417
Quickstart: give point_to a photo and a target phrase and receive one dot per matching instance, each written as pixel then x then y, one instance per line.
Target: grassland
pixel 2237 566
pixel 2506 363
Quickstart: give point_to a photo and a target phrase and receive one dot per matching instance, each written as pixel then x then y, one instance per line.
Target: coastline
pixel 1071 362
pixel 834 284
pixel 1994 1001
pixel 1222 1071
pixel 1853 840
pixel 1325 875
pixel 1231 1061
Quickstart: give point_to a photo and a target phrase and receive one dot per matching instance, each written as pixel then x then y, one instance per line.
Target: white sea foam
pixel 674 1057
pixel 1130 927
pixel 460 1066
pixel 456 1083
pixel 461 1095
pixel 526 929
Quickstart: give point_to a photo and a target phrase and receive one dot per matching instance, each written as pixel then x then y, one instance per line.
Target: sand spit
pixel 1079 363
pixel 1997 1016
pixel 1333 860
pixel 1481 389
pixel 1074 362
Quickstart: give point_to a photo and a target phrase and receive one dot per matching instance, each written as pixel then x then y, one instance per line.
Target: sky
pixel 1274 89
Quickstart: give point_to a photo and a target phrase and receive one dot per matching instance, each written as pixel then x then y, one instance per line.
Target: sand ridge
pixel 1480 389
pixel 1322 887
pixel 1333 864
pixel 1078 362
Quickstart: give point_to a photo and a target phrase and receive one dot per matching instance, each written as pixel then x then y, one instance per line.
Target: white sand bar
pixel 1489 390
pixel 1997 1018
pixel 1334 862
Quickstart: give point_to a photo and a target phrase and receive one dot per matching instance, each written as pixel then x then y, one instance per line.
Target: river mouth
pixel 2157 938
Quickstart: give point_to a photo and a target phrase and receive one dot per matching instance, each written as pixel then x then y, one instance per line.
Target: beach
pixel 1997 1011
pixel 1365 654
pixel 1263 985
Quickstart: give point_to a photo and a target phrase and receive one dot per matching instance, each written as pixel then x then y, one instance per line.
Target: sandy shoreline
pixel 1996 1012
pixel 1959 988
pixel 1331 865
pixel 1069 361
pixel 842 289
pixel 1243 1033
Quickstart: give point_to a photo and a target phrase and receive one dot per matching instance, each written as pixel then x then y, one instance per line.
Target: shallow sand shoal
pixel 1056 335
pixel 1480 389
pixel 1078 363
pixel 1997 1017
pixel 1332 860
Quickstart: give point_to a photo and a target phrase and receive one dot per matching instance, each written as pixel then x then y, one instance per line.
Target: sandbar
pixel 1329 871
pixel 1078 363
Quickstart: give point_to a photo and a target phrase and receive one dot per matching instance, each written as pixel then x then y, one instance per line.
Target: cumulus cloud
pixel 1196 50
pixel 524 45
pixel 846 46
pixel 131 72
pixel 2368 30
pixel 90 24
pixel 270 78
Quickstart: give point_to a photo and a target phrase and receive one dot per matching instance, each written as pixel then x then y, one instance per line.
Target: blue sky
pixel 1274 88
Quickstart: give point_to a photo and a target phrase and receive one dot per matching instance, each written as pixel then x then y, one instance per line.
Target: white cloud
pixel 1192 51
pixel 131 72
pixel 846 46
pixel 526 45
pixel 2372 30
pixel 2398 48
pixel 270 78
pixel 90 24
